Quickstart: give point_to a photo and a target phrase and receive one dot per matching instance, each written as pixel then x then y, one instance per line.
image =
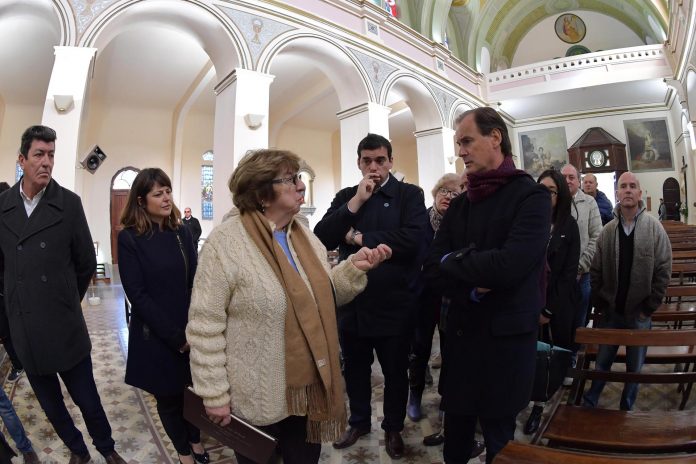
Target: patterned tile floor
pixel 141 439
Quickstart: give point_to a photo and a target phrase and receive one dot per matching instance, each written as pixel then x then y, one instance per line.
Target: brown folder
pixel 245 439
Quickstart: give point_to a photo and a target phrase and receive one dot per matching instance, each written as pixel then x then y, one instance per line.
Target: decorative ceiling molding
pixel 257 31
pixel 87 10
pixel 377 70
pixel 445 101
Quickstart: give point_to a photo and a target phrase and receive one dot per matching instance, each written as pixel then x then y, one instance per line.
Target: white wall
pixel 602 32
pixel 15 121
pixel 137 137
pixel 317 149
pixel 197 139
pixel 651 182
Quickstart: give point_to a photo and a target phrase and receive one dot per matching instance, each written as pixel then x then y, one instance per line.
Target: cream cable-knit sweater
pixel 236 323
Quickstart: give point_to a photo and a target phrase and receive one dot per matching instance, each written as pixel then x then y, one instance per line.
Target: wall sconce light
pixel 451 159
pixel 63 103
pixel 254 121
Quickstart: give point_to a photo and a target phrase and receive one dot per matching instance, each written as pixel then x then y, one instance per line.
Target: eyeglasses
pixel 553 192
pixel 447 192
pixel 287 180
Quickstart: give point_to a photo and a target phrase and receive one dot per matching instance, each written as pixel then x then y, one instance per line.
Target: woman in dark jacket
pixel 562 291
pixel 157 262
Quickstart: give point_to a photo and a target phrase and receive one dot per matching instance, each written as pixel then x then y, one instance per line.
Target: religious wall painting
pixel 570 28
pixel 543 149
pixel 648 145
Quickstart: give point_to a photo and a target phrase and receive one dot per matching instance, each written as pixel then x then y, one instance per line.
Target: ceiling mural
pixel 500 25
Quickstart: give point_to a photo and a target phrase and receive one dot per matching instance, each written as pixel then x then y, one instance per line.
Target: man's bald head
pixel 628 191
pixel 589 184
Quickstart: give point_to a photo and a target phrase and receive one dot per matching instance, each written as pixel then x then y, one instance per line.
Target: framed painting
pixel 543 149
pixel 648 145
pixel 570 28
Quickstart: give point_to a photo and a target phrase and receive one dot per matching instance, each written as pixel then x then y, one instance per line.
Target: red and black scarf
pixel 484 184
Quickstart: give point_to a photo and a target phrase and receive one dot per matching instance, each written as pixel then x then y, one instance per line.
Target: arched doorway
pixel 120 186
pixel 670 193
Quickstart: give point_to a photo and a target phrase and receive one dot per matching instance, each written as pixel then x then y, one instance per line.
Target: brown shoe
pixel 394 444
pixel 77 459
pixel 349 437
pixel 479 447
pixel 31 457
pixel 115 458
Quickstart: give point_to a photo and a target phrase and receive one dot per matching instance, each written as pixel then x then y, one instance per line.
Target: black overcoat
pixel 497 243
pixel 395 215
pixel 563 292
pixel 49 261
pixel 157 277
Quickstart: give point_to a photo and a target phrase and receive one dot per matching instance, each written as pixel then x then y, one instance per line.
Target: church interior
pixel 189 86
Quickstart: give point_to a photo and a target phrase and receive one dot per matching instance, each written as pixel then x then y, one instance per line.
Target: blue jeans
pixel 635 357
pixel 14 426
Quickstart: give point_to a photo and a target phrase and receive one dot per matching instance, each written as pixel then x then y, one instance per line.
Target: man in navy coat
pixel 380 209
pixel 49 260
pixel 488 258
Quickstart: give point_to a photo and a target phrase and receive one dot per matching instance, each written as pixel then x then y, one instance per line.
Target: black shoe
pixel 14 375
pixel 203 458
pixel 533 421
pixel 479 447
pixel 435 439
pixel 77 459
pixel 428 376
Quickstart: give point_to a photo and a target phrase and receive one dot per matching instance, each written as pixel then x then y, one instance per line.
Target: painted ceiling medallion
pixel 257 31
pixel 87 10
pixel 377 70
pixel 570 28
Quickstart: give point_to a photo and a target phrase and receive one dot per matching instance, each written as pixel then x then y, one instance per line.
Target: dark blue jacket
pixel 605 208
pixel 157 278
pixel 497 243
pixel 395 215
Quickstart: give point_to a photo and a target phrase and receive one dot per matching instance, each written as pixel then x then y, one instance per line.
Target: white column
pixel 70 77
pixel 356 123
pixel 241 124
pixel 436 156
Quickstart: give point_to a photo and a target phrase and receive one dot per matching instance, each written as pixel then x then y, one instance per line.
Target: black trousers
pixel 392 353
pixel 459 436
pixel 182 433
pixel 291 434
pixel 79 382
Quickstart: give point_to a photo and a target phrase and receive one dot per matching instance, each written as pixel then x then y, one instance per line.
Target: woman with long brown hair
pixel 157 262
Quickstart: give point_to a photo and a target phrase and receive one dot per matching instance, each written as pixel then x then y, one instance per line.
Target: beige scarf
pixel 312 371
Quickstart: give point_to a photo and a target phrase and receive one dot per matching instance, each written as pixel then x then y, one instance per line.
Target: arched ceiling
pixel 500 25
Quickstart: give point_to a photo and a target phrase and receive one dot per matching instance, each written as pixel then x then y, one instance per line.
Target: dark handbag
pixel 552 363
pixel 245 439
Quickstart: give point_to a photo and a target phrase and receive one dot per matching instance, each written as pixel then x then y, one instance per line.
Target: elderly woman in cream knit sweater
pixel 262 324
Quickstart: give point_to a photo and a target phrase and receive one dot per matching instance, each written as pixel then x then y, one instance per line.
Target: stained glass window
pixel 18 172
pixel 207 186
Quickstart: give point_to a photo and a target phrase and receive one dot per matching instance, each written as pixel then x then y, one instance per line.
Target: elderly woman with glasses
pixel 262 323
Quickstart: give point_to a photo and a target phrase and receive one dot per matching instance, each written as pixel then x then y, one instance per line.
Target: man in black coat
pixel 49 260
pixel 193 225
pixel 487 258
pixel 380 209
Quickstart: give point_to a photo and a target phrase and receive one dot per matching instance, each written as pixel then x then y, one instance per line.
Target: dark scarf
pixel 482 185
pixel 435 218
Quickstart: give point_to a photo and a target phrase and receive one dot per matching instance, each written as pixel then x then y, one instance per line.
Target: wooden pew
pixel 521 453
pixel 689 255
pixel 624 431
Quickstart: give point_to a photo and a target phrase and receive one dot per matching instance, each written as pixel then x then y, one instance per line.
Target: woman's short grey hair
pixel 446 179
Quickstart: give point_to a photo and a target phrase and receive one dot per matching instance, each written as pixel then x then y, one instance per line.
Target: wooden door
pixel 670 193
pixel 118 202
